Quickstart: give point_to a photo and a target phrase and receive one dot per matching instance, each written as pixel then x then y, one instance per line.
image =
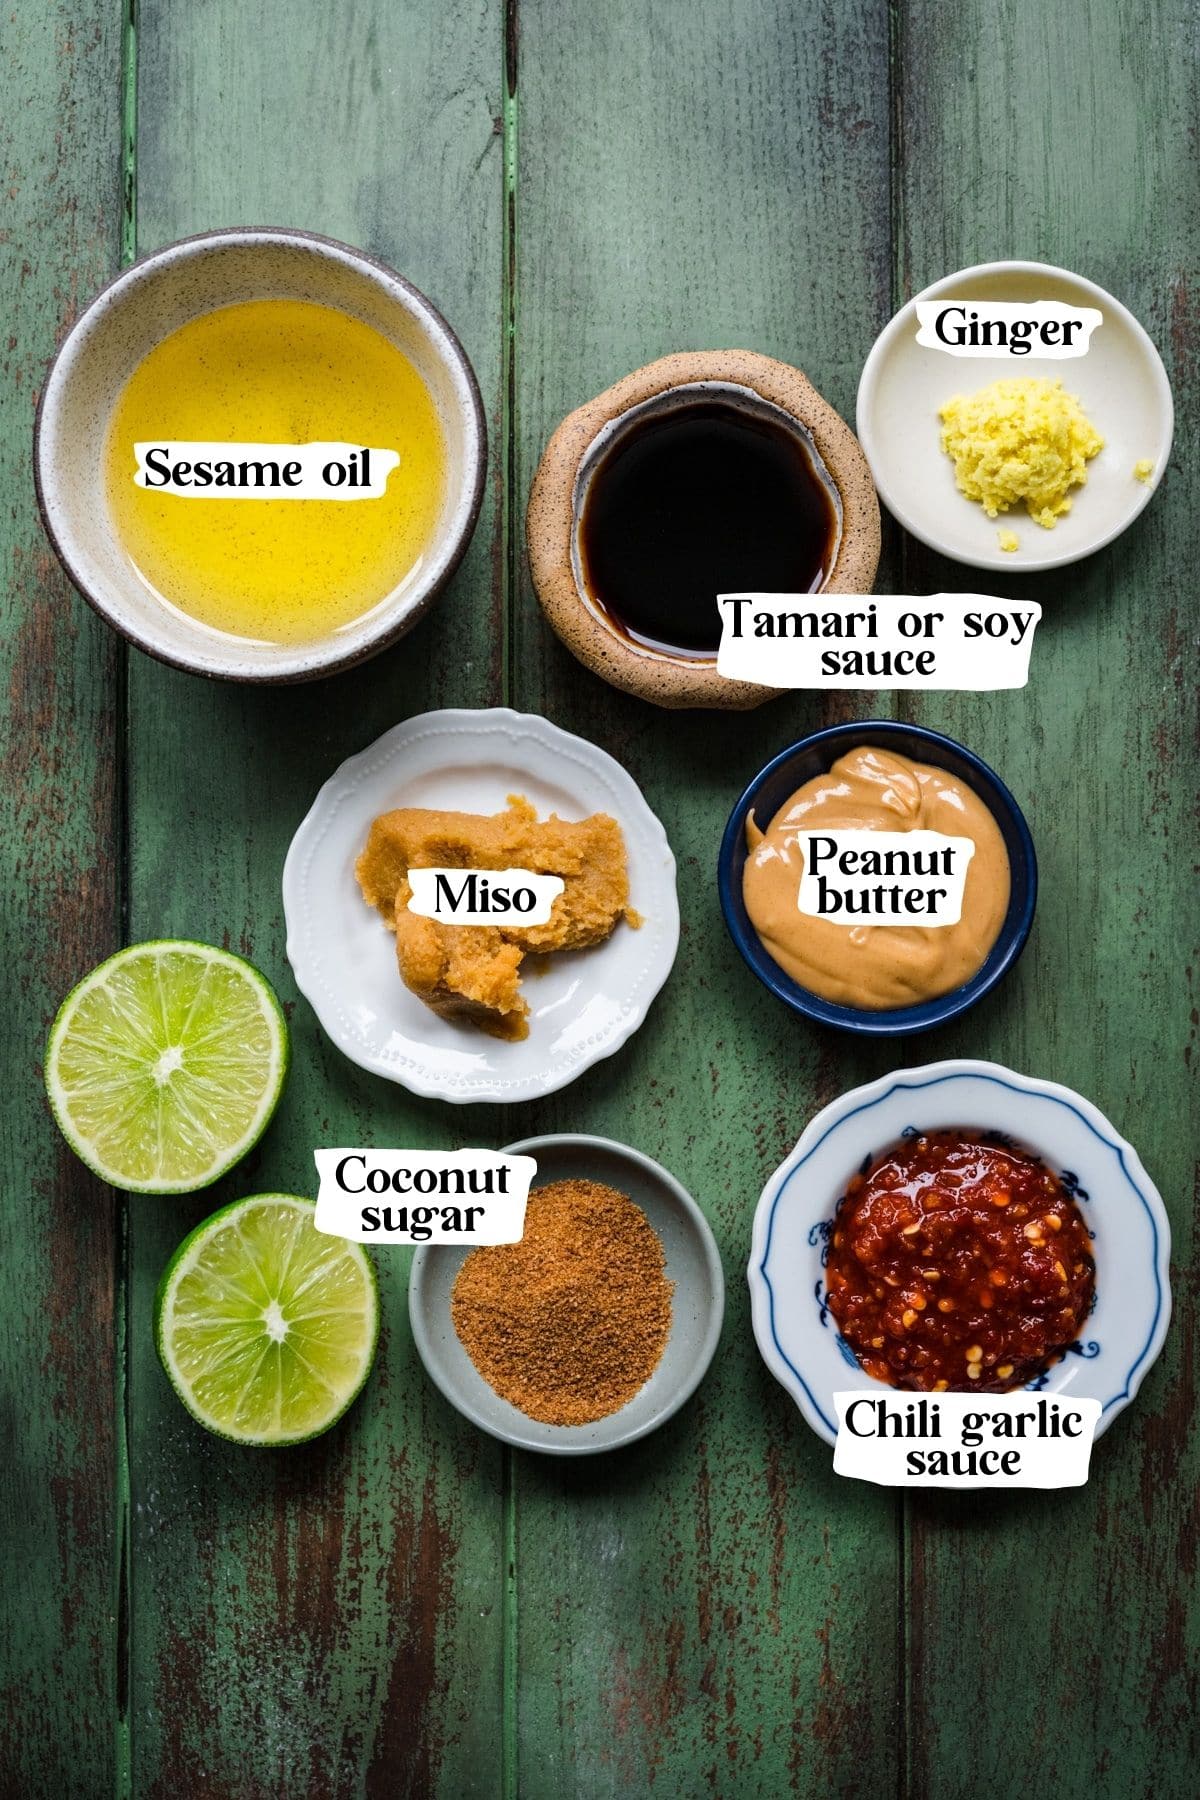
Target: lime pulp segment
pixel 165 1064
pixel 265 1326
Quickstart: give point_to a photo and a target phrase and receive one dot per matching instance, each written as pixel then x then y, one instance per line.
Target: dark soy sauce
pixel 705 499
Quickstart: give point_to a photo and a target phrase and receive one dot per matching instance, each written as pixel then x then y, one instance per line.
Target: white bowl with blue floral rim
pixel 1123 1211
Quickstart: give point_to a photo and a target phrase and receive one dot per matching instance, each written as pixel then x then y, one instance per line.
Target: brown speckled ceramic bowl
pixel 560 486
pixel 125 322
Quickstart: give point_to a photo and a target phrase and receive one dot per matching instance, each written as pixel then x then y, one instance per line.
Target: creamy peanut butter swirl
pixel 876 967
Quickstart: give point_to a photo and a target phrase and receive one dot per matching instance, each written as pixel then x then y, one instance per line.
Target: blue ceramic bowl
pixel 812 756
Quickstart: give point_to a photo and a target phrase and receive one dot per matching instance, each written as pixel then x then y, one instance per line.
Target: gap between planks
pixel 122 1283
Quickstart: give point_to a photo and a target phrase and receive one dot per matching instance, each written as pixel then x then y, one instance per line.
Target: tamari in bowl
pixel 746 382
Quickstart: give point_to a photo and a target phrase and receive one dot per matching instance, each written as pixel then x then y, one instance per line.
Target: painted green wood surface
pixel 313 1625
pixel 60 232
pixel 1100 748
pixel 705 1610
pixel 581 188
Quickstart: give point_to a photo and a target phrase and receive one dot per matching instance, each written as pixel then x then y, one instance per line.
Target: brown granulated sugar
pixel 568 1324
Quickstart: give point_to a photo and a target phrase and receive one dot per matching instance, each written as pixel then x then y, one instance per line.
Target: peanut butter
pixel 876 967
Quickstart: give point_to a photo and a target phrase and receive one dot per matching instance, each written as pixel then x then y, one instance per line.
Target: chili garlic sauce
pixel 277 372
pixel 876 967
pixel 957 1261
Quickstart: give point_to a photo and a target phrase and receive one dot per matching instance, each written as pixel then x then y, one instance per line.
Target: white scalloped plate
pixel 797 1336
pixel 585 1005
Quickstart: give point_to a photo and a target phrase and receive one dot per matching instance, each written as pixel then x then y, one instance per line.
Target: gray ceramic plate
pixel 118 330
pixel 693 1264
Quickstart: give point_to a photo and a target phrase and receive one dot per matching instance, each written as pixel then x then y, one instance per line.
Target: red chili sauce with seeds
pixel 958 1262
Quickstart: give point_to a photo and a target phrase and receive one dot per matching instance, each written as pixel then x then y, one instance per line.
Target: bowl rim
pixel 926 1014
pixel 299 662
pixel 869 380
pixel 862 1100
pixel 530 1146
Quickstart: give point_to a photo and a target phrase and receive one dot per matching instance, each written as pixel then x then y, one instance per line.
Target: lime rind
pixel 117 1020
pixel 244 1371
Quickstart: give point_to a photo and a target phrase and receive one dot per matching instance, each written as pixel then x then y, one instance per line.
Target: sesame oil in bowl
pixel 257 375
pixel 260 454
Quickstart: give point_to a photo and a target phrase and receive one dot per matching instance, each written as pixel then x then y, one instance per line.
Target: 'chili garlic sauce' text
pixel 957 1263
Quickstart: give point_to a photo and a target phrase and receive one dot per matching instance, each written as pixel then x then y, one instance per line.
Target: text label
pixel 965 1440
pixel 202 470
pixel 423 1196
pixel 940 641
pixel 484 896
pixel 884 877
pixel 1045 328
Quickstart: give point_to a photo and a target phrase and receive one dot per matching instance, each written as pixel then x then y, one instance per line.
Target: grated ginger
pixel 1019 440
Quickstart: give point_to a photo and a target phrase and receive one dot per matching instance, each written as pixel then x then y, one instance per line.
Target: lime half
pixel 165 1064
pixel 266 1326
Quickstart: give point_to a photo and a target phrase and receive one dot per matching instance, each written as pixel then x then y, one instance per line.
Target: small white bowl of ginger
pixel 955 441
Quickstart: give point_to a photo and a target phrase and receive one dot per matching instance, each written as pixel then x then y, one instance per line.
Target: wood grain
pixel 1053 1639
pixel 401 1609
pixel 702 1614
pixel 60 1691
pixel 329 1623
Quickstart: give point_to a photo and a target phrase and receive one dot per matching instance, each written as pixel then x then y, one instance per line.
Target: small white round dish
pixel 796 1333
pixel 697 1304
pixel 1121 384
pixel 586 1003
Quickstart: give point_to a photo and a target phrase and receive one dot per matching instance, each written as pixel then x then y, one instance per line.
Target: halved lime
pixel 266 1326
pixel 165 1064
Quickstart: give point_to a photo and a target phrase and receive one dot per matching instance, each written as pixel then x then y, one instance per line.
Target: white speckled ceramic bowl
pixel 125 322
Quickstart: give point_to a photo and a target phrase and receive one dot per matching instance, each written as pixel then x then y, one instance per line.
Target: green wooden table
pixel 404 1609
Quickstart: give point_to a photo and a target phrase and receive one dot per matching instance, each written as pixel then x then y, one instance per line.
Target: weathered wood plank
pixel 59 1648
pixel 711 1612
pixel 327 1622
pixel 1053 1640
pixel 702 1614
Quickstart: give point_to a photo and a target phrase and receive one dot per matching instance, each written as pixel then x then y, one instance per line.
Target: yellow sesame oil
pixel 283 571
